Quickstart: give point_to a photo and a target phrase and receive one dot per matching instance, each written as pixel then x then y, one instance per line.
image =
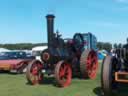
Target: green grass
pixel 16 85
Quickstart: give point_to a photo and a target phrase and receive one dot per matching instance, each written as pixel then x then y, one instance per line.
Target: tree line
pixel 28 46
pixel 104 45
pixel 108 46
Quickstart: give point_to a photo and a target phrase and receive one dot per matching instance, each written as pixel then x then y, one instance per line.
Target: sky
pixel 23 21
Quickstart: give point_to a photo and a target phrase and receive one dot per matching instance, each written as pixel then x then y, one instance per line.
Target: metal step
pixel 121 77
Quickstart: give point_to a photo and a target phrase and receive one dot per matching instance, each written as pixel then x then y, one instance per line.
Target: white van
pixel 36 51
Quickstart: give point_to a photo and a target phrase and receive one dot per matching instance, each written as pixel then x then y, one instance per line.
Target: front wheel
pixel 63 74
pixel 34 73
pixel 108 75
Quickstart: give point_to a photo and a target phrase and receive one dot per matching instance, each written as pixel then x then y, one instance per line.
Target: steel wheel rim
pixel 35 73
pixel 65 74
pixel 92 64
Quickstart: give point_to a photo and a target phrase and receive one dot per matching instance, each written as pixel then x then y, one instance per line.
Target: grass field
pixel 16 85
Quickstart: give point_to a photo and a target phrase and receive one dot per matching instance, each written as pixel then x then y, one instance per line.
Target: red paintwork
pixel 92 64
pixel 65 73
pixel 9 64
pixel 36 76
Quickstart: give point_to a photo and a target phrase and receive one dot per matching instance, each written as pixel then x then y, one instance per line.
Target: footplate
pixel 121 77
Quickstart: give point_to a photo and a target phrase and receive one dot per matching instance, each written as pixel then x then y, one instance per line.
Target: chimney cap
pixel 50 16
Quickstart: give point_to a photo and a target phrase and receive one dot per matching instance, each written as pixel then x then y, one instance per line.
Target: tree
pixel 119 45
pixel 104 45
pixel 100 45
pixel 127 40
pixel 108 46
pixel 115 45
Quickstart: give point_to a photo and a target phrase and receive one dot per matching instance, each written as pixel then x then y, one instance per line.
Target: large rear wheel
pixel 89 64
pixel 34 72
pixel 108 75
pixel 63 74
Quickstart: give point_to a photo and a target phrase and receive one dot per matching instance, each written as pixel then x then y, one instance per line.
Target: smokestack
pixel 50 28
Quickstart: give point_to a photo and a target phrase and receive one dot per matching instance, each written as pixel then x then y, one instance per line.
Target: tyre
pixel 63 74
pixel 108 83
pixel 89 64
pixel 34 73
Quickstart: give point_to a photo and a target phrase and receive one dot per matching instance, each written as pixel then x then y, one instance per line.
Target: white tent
pixel 4 50
pixel 39 48
pixel 36 51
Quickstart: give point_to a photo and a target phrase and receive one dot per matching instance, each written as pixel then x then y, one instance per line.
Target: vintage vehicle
pixel 65 57
pixel 14 62
pixel 114 70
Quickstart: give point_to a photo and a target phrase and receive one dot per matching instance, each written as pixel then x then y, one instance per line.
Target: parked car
pixel 15 61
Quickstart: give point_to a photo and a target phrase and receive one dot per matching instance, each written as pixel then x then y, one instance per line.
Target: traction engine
pixel 65 57
pixel 115 70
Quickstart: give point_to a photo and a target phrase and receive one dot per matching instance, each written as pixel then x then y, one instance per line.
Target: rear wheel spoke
pixel 34 74
pixel 64 78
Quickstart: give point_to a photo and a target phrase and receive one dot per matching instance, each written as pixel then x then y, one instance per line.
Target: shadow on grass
pixel 121 91
pixel 98 91
pixel 9 73
pixel 79 76
pixel 4 72
pixel 46 80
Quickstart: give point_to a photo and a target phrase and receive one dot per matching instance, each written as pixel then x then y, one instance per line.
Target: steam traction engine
pixel 65 57
pixel 115 70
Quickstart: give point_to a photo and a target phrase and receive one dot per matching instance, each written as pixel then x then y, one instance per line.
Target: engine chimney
pixel 50 28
